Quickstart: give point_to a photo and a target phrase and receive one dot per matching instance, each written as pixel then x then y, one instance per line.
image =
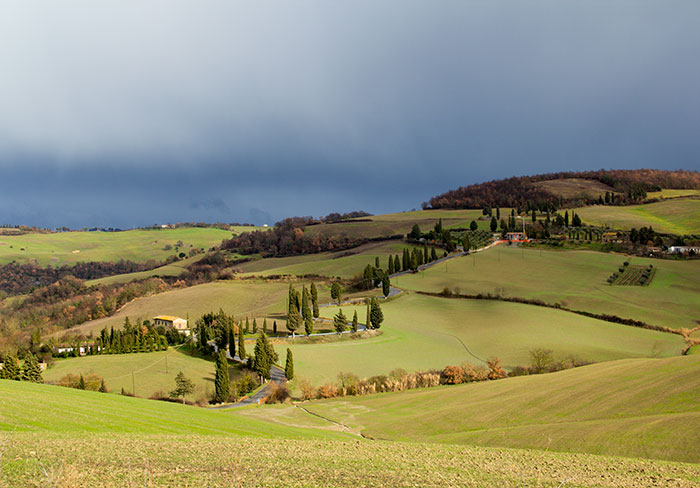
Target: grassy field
pixel 672 194
pixel 401 223
pixel 574 187
pixel 172 269
pixel 422 332
pixel 344 264
pixel 252 298
pixel 150 375
pixel 677 216
pixel 61 437
pixel 637 408
pixel 134 245
pixel 575 279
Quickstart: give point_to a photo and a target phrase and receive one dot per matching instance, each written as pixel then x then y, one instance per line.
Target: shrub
pixel 327 391
pixel 278 393
pixel 308 392
pixel 452 375
pixel 496 371
pixel 246 384
pixel 473 373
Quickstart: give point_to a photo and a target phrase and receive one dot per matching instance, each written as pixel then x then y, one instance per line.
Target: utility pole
pixel 133 383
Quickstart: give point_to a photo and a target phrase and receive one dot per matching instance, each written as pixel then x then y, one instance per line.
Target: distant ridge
pixel 630 186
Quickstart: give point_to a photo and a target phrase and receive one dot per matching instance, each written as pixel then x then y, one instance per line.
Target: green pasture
pixel 636 408
pixel 344 264
pixel 152 372
pixel 667 193
pixel 422 332
pixel 676 216
pixel 172 269
pixel 402 222
pixel 575 279
pixel 133 245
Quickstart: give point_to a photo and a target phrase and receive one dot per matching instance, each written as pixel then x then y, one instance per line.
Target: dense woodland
pixel 631 185
pixel 18 278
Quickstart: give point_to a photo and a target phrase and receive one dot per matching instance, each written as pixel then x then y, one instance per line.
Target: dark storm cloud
pixel 130 113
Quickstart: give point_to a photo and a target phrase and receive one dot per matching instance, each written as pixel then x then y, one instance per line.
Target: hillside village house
pixel 516 236
pixel 610 237
pixel 177 323
pixel 684 249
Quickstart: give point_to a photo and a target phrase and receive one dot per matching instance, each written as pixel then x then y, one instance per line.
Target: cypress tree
pixel 232 340
pixel 241 344
pixel 498 213
pixel 433 254
pixel 494 224
pixel 262 360
pixel 406 263
pixel 221 380
pixel 81 383
pixel 314 300
pixel 103 387
pixel 293 320
pixel 426 258
pixel 336 292
pixel 10 368
pixel 368 321
pixel 376 262
pixel 354 322
pixel 247 325
pixel 265 325
pixel 340 321
pixel 308 325
pixel 305 303
pixel 255 326
pixel 390 265
pixel 376 315
pixel 386 285
pixel 566 218
pixel 31 370
pixel 274 327
pixel 289 365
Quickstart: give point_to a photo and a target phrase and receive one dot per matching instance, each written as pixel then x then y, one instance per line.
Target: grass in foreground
pixel 636 407
pixel 575 279
pixel 423 332
pixel 196 460
pixel 150 375
pixel 134 245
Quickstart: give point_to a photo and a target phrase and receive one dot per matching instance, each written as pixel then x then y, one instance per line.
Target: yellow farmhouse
pixel 178 323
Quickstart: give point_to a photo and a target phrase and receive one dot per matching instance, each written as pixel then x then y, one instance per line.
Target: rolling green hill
pixel 575 279
pixel 61 437
pixel 133 245
pixel 636 407
pixel 149 371
pixel 675 216
pixel 422 332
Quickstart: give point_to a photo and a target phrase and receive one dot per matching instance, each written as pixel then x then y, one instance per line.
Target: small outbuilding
pixel 179 324
pixel 516 236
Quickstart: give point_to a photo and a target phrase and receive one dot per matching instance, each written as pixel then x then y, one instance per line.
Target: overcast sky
pixel 128 113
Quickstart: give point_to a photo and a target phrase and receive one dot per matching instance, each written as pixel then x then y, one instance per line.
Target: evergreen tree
pixel 386 285
pixel 274 327
pixel 390 265
pixel 466 244
pixel 494 224
pixel 247 326
pixel 438 228
pixel 241 344
pixel 368 276
pixel 306 303
pixel 340 322
pixel 221 380
pixel 289 365
pixel 433 254
pixel 376 262
pixel 103 387
pixel 183 387
pixel 10 368
pixel 368 316
pixel 255 326
pixel 308 325
pixel 406 260
pixel 314 300
pixel 265 325
pixel 566 218
pixel 336 292
pixel 262 362
pixel 576 220
pixel 81 383
pixel 232 340
pixel 426 257
pixel 376 315
pixel 293 320
pixel 473 225
pixel 415 232
pixel 354 322
pixel 498 213
pixel 534 216
pixel 35 341
pixel 31 370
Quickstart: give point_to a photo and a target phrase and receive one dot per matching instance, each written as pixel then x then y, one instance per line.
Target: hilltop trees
pixel 221 380
pixel 183 387
pixel 289 365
